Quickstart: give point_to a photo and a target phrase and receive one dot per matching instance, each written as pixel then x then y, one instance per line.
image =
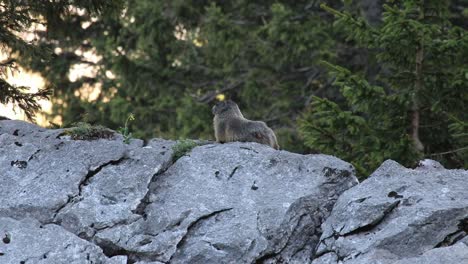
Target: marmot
pixel 230 125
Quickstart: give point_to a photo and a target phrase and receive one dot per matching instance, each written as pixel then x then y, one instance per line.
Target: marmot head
pixel 226 108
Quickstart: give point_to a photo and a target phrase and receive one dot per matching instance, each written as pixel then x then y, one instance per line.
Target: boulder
pixel 399 215
pixel 27 241
pixel 235 203
pixel 103 201
pixel 219 203
pixel 113 194
pixel 41 172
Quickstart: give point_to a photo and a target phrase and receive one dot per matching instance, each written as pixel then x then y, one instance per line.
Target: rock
pixel 27 241
pixel 464 240
pixel 235 203
pixel 457 253
pixel 41 173
pixel 230 203
pixel 398 214
pixel 152 262
pixel 428 164
pixel 103 201
pixel 112 195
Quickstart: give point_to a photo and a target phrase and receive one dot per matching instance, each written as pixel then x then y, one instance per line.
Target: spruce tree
pixel 416 107
pixel 170 61
pixel 18 17
pixel 14 19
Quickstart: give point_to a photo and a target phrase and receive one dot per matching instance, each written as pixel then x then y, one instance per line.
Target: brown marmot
pixel 230 125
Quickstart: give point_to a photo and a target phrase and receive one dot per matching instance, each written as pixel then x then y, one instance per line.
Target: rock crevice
pixel 103 201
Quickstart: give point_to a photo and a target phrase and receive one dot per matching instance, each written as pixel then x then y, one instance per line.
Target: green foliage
pixel 17 17
pixel 458 129
pixel 360 135
pixel 399 92
pixel 86 131
pixel 263 55
pixel 125 131
pixel 18 96
pixel 14 18
pixel 170 62
pixel 415 110
pixel 182 147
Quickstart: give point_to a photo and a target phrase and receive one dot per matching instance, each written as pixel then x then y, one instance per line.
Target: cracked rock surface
pixel 41 172
pixel 235 203
pixel 103 201
pixel 399 215
pixel 119 203
pixel 29 242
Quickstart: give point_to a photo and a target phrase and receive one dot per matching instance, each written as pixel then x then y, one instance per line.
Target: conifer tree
pixel 416 108
pixel 171 60
pixel 18 17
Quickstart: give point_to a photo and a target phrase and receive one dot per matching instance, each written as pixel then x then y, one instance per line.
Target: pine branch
pixel 18 96
pixel 449 152
pixel 208 97
pixel 363 32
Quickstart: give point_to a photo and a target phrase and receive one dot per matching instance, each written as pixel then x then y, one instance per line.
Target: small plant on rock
pixel 125 131
pixel 86 131
pixel 182 147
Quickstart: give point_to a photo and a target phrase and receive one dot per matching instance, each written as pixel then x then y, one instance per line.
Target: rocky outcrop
pixel 400 215
pixel 231 203
pixel 103 201
pixel 28 241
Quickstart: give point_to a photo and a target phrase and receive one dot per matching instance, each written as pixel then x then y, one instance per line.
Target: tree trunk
pixel 419 85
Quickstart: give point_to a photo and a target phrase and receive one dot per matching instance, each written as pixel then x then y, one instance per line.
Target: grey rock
pixel 104 201
pixel 146 262
pixel 455 254
pixel 397 214
pixel 329 257
pixel 29 242
pixel 118 260
pixel 235 203
pixel 83 186
pixel 112 196
pixel 231 203
pixel 428 164
pixel 41 173
pixel 464 240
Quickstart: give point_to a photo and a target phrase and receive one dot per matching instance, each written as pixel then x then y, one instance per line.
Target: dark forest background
pixel 363 80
